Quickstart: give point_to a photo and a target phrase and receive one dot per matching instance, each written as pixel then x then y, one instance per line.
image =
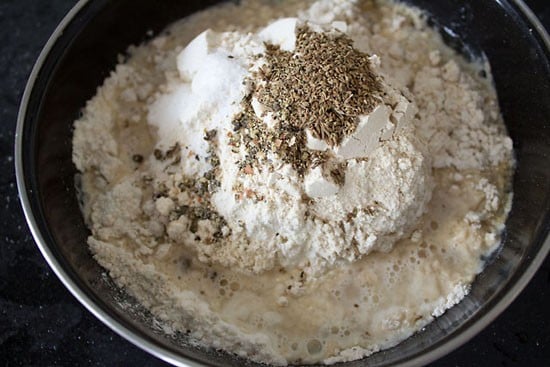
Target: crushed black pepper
pixel 200 188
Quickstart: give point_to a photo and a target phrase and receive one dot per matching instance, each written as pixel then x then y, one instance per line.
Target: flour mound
pixel 265 212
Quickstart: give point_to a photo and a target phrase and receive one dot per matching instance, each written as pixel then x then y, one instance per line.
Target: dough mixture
pixel 295 181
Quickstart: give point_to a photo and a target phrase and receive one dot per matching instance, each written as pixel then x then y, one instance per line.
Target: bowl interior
pixel 83 55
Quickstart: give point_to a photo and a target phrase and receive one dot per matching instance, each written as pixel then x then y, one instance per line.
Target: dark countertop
pixel 42 324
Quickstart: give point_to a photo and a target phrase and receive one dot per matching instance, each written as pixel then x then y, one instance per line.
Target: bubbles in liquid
pixel 422 254
pixel 314 346
pixel 335 329
pixel 234 286
pixel 294 346
pixel 258 321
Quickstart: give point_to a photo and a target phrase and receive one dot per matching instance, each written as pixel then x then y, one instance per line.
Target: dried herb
pixel 323 86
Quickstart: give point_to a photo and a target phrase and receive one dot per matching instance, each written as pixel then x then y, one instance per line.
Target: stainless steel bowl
pixel 83 50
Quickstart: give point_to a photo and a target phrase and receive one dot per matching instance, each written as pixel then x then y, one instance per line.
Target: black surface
pixel 42 324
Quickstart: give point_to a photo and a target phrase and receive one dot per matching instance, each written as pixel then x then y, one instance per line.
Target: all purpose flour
pixel 295 181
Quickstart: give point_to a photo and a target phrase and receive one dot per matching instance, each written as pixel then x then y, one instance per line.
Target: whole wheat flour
pixel 295 181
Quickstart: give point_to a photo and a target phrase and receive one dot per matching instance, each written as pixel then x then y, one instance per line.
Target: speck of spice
pixel 138 158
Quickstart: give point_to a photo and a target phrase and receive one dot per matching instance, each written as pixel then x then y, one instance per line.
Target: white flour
pixel 256 258
pixel 266 221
